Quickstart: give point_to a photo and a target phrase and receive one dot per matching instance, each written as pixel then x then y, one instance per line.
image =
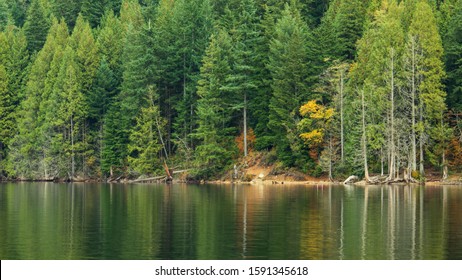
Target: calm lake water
pixel 102 221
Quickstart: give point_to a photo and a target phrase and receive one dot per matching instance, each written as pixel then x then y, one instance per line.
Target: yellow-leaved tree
pixel 317 122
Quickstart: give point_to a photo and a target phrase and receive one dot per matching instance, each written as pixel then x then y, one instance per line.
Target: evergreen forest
pixel 98 89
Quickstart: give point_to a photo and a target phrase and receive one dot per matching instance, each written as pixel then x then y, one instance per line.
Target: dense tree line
pixel 92 89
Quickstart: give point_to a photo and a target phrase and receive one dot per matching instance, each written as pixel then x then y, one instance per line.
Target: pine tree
pixel 214 113
pixel 429 51
pixel 16 61
pixel 36 26
pixel 289 65
pixel 18 10
pixel 69 10
pixel 453 51
pixel 86 50
pixel 341 27
pixel 146 137
pixel 92 11
pixel 110 41
pixel 192 27
pixel 6 116
pixel 13 62
pixel 65 116
pixel 349 24
pixel 99 100
pixel 5 15
pixel 244 80
pixel 137 63
pixel 27 157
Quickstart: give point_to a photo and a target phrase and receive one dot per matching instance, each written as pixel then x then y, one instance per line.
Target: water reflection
pixel 95 221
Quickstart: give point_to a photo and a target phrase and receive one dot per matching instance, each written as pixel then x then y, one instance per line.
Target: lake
pixel 116 221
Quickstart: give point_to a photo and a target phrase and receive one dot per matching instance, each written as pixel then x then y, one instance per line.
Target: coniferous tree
pixel 92 11
pixel 13 61
pixel 289 65
pixel 453 51
pixel 146 137
pixel 431 97
pixel 110 43
pixel 213 110
pixel 69 10
pixel 65 116
pixel 86 50
pixel 16 61
pixel 27 157
pixel 6 116
pixel 5 15
pixel 193 25
pixel 99 100
pixel 349 24
pixel 18 9
pixel 244 79
pixel 136 76
pixel 36 26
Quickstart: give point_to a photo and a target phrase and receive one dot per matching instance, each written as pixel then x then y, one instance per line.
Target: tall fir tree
pixel 6 117
pixel 245 78
pixel 36 26
pixel 453 59
pixel 289 65
pixel 429 51
pixel 65 116
pixel 146 140
pixel 69 10
pixel 5 15
pixel 214 131
pixel 27 159
pixel 18 9
pixel 192 27
pixel 14 59
pixel 92 11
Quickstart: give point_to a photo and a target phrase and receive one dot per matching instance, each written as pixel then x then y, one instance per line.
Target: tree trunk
pixel 363 138
pixel 330 158
pixel 72 149
pixel 245 124
pixel 341 116
pixel 413 93
pixel 421 144
pixel 391 169
pixel 445 167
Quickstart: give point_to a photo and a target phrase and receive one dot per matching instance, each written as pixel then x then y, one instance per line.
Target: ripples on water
pixel 102 221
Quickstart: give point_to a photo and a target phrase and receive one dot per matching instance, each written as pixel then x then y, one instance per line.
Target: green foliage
pixel 5 15
pixel 69 10
pixel 453 58
pixel 214 113
pixel 289 65
pixel 27 157
pixel 430 68
pixel 145 138
pixel 36 26
pixel 85 104
pixel 93 11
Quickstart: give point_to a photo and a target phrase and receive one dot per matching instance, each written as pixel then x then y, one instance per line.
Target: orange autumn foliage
pixel 251 138
pixel 455 152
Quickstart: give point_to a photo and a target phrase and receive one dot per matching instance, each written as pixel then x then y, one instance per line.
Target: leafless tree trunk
pixel 391 169
pixel 363 138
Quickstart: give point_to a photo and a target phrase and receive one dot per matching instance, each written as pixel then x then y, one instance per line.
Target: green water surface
pixel 115 221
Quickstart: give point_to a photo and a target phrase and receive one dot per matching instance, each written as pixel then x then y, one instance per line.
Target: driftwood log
pixel 350 180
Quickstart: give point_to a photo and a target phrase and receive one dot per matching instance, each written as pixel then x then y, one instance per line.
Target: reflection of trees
pixel 60 221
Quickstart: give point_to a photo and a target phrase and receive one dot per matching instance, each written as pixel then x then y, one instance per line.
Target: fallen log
pixel 116 179
pixel 150 179
pixel 350 180
pixel 180 171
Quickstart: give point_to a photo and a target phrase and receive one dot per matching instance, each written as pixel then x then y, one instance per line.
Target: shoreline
pixel 253 182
